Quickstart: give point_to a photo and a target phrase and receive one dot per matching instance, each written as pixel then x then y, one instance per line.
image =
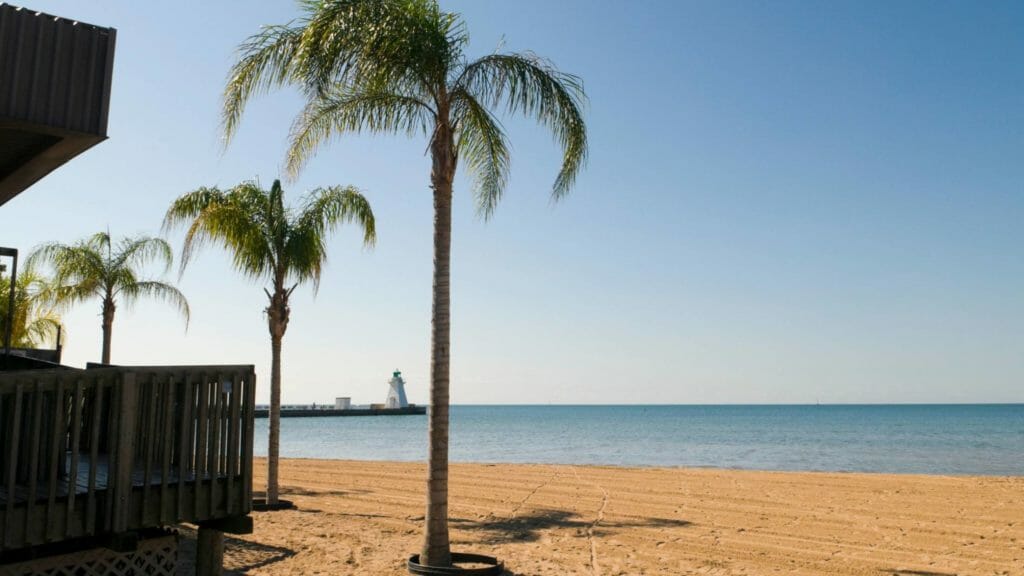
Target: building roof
pixel 55 77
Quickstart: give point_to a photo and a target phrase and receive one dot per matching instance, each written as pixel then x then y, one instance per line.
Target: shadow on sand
pixel 893 572
pixel 240 556
pixel 300 491
pixel 245 556
pixel 529 527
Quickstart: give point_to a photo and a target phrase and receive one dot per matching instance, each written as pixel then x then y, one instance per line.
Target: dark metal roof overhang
pixel 55 79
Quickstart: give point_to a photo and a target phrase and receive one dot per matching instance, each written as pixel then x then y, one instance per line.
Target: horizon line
pixel 534 404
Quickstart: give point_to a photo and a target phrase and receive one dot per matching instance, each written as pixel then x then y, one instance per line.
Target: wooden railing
pixel 106 451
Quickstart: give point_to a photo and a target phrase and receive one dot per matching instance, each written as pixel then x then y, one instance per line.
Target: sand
pixel 366 517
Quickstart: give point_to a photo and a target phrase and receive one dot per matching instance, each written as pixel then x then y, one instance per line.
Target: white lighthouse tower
pixel 396 394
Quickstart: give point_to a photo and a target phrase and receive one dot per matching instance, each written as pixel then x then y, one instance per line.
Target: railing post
pixel 247 457
pixel 122 478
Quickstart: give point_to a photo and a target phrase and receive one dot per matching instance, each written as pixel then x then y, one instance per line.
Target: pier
pixel 317 412
pixel 396 404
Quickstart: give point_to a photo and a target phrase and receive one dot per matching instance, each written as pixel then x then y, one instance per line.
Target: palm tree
pixel 96 267
pixel 270 241
pixel 35 318
pixel 398 66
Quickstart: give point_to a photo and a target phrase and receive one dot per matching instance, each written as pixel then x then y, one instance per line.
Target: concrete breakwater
pixel 317 412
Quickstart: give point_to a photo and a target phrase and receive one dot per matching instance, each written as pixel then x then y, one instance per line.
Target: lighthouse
pixel 396 394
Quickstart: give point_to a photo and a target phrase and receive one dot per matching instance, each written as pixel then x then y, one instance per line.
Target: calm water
pixel 931 439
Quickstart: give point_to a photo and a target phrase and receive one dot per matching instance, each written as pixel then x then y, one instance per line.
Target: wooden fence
pixel 110 450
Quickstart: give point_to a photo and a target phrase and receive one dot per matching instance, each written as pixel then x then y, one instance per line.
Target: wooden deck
pixel 102 478
pixel 107 451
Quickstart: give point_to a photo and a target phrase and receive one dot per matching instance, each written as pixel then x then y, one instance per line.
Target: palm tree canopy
pixel 35 319
pixel 267 239
pixel 97 267
pixel 398 66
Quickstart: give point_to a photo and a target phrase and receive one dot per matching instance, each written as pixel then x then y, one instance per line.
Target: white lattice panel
pixel 154 557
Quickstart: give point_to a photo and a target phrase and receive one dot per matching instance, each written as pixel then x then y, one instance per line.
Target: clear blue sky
pixel 785 202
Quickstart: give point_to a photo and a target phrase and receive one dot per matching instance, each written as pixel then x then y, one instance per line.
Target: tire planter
pixel 260 505
pixel 493 566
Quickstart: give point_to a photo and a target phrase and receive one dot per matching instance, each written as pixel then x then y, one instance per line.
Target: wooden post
pixel 125 446
pixel 209 552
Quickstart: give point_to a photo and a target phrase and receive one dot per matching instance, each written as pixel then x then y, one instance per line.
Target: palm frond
pixel 34 319
pixel 162 291
pixel 100 243
pixel 484 147
pixel 80 270
pixel 68 295
pixel 266 60
pixel 278 215
pixel 121 279
pixel 39 331
pixel 344 110
pixel 97 267
pixel 265 236
pixel 377 42
pixel 529 85
pixel 188 206
pixel 402 44
pixel 234 219
pixel 322 211
pixel 138 251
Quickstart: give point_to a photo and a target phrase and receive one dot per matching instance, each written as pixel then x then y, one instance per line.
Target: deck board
pixel 81 484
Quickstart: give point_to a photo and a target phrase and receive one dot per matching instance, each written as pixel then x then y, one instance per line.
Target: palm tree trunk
pixel 108 328
pixel 436 546
pixel 274 443
pixel 277 321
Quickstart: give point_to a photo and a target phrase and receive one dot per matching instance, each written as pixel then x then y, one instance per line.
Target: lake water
pixel 928 439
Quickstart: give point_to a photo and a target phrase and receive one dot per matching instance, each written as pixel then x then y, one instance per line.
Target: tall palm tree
pixel 97 267
pixel 398 66
pixel 35 318
pixel 270 241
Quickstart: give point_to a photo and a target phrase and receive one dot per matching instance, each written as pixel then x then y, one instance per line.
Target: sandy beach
pixel 364 517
